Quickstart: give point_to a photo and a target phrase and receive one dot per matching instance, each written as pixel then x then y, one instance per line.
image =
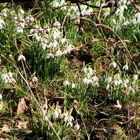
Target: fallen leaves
pixel 22 107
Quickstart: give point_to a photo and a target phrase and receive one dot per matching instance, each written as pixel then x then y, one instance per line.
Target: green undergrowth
pixel 70 77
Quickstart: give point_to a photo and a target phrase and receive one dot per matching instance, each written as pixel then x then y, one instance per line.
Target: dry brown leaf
pixel 22 125
pixel 6 128
pixel 22 107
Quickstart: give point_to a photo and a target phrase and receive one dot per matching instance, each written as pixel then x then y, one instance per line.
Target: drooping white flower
pixel 125 67
pixel 66 83
pixel 88 71
pixel 0 97
pixel 56 34
pixel 113 64
pixel 77 127
pixel 2 24
pixel 19 30
pixel 87 81
pixel 135 77
pixel 57 24
pixel 35 79
pixel 8 78
pixel 21 58
pixel 58 53
pixel 56 114
pixel 73 85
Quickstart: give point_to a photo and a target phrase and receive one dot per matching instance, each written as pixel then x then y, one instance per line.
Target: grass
pixel 63 76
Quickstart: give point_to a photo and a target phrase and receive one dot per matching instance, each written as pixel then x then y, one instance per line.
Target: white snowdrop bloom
pixel 57 24
pixel 64 41
pixel 21 58
pixel 115 83
pixel 35 79
pixel 19 30
pixel 37 37
pixel 8 78
pixel 87 81
pixel 125 67
pixel 77 127
pixel 50 55
pixel 21 11
pixel 56 114
pixel 0 97
pixel 53 44
pixel 108 79
pixel 58 53
pixel 135 77
pixel 138 17
pixel 29 18
pixel 108 86
pixel 56 34
pixel 113 64
pixel 95 79
pixel 126 81
pixel 73 85
pixel 106 12
pixel 2 24
pixel 44 46
pixel 55 4
pixel 120 82
pixel 117 76
pixel 66 83
pixel 88 71
pixel 32 31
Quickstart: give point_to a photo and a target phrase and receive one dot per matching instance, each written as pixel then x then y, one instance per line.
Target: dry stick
pixel 105 26
pixel 34 98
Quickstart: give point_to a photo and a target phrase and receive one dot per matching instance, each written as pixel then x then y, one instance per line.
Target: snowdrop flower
pixel 35 79
pixel 125 67
pixel 37 37
pixel 8 78
pixel 21 11
pixel 50 55
pixel 73 85
pixel 87 81
pixel 88 71
pixel 66 83
pixel 1 24
pixel 29 18
pixel 19 30
pixel 95 79
pixel 68 118
pixel 64 41
pixel 126 81
pixel 106 12
pixel 56 114
pixel 77 127
pixel 53 44
pixel 0 97
pixel 138 17
pixel 56 34
pixel 58 53
pixel 44 46
pixel 113 64
pixel 57 24
pixel 108 79
pixel 21 58
pixel 135 77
